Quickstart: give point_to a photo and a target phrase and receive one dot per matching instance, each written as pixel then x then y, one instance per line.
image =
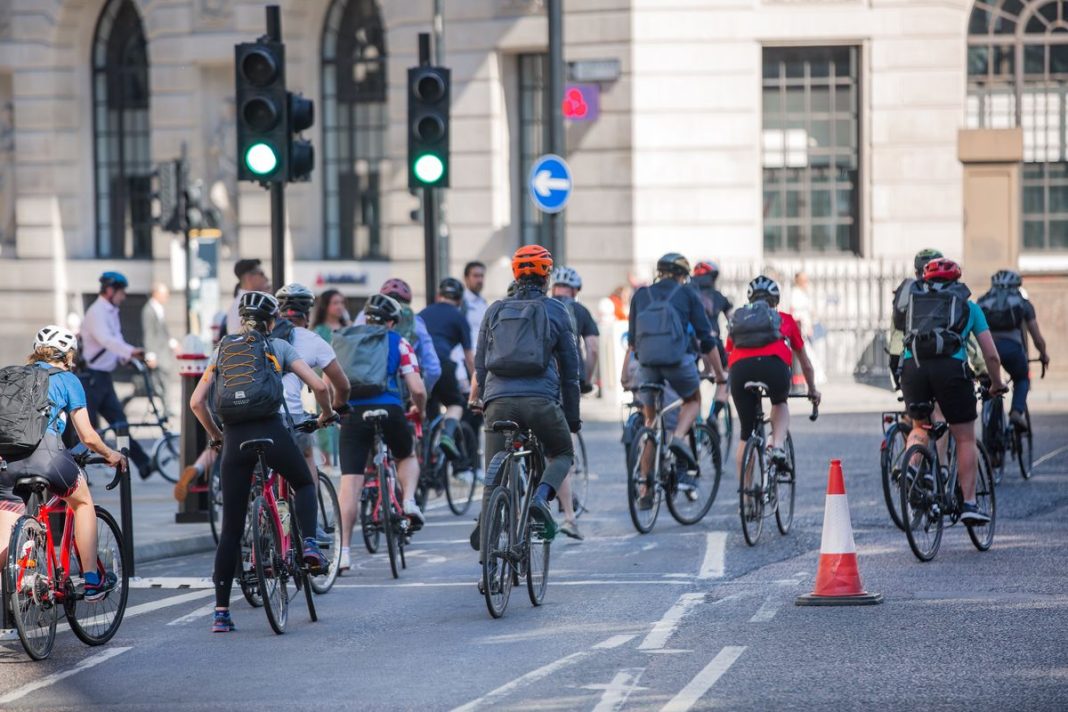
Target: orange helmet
pixel 532 261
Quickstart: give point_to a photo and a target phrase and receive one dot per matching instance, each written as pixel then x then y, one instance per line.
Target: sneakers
pixel 681 449
pixel 181 489
pixel 570 528
pixel 1017 419
pixel 412 511
pixel 645 502
pixel 222 622
pixel 543 517
pixel 97 590
pixel 324 540
pixel 972 516
pixel 313 557
pixel 346 561
pixel 778 457
pixel 449 446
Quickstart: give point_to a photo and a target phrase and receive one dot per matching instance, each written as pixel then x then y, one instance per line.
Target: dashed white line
pixel 199 614
pixel 615 641
pixel 618 690
pixel 715 556
pixel 704 680
pixel 767 610
pixel 91 661
pixel 1049 456
pixel 523 680
pixel 663 628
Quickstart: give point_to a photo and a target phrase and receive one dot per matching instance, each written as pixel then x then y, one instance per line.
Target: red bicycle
pixel 380 513
pixel 39 583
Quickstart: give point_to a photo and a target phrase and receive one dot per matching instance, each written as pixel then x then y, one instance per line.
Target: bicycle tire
pixel 993 435
pixel 536 551
pixel 330 521
pixel 724 421
pixel 785 485
pixel 704 442
pixel 96 622
pixel 246 576
pixel 644 519
pixel 1024 452
pixel 890 462
pixel 402 525
pixel 458 492
pixel 270 565
pixel 580 477
pixel 166 456
pixel 497 543
pixel 298 569
pixel 30 590
pixel 983 537
pixel 920 509
pixel 215 499
pixel 370 531
pixel 386 516
pixel 751 499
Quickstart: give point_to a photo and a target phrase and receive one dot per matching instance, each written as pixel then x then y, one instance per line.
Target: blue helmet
pixel 114 279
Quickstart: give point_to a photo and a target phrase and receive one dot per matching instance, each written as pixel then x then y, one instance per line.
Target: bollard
pixel 195 507
pixel 126 506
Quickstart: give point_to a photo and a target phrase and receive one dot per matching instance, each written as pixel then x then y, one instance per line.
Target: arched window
pixel 1018 76
pixel 355 121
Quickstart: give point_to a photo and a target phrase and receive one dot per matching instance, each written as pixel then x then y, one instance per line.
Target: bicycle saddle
pixel 32 483
pixel 373 415
pixel 651 387
pixel 504 426
pixel 921 411
pixel 258 444
pixel 756 386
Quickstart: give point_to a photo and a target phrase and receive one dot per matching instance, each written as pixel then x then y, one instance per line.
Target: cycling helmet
pixel 941 270
pixel 673 263
pixel 258 306
pixel 706 268
pixel 57 337
pixel 922 258
pixel 532 261
pixel 1006 278
pixel 764 288
pixel 567 277
pixel 451 288
pixel 114 279
pixel 295 297
pixel 398 289
pixel 380 308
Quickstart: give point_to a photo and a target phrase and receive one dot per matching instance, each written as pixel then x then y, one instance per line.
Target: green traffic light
pixel 261 159
pixel 428 168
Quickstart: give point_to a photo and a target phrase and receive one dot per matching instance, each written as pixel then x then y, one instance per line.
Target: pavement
pixel 682 618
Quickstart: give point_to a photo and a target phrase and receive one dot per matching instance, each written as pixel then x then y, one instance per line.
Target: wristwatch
pixel 215 444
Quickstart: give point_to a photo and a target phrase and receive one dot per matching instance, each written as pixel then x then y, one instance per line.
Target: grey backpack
pixel 755 325
pixel 248 379
pixel 518 338
pixel 1003 308
pixel 659 337
pixel 363 353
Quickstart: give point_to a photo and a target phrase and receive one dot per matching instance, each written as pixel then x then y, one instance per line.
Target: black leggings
pixel 285 458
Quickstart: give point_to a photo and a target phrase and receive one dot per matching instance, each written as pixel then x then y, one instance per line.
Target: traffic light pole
pixel 278 188
pixel 430 206
pixel 556 117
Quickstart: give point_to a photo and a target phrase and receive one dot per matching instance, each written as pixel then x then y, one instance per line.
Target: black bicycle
pixel 765 485
pixel 896 427
pixel 437 473
pixel 1005 440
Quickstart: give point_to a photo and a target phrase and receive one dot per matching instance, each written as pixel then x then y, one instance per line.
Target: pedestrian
pixel 160 347
pixel 330 314
pixel 250 278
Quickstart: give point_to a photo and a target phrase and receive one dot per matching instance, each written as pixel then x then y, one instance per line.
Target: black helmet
pixel 1006 278
pixel 257 306
pixel 451 288
pixel 922 258
pixel 673 263
pixel 295 297
pixel 764 288
pixel 114 279
pixel 380 308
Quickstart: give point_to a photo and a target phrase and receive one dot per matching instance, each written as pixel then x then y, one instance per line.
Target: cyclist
pixel 716 304
pixel 935 367
pixel 258 311
pixel 763 349
pixel 899 312
pixel 357 436
pixel 1007 312
pixel 412 327
pixel 448 328
pixel 527 369
pixel 53 349
pixel 668 328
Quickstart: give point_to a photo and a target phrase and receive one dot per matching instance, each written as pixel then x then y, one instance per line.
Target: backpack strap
pixel 285 406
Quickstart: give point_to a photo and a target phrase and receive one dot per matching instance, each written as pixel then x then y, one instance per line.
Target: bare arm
pixel 1040 342
pixel 626 364
pixel 199 405
pixel 469 361
pixel 91 439
pixel 714 365
pixel 810 375
pixel 593 347
pixel 322 393
pixel 993 363
pixel 416 390
pixel 340 382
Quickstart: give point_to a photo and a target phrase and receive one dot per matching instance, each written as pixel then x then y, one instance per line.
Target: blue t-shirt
pixel 976 325
pixel 392 396
pixel 448 328
pixel 67 395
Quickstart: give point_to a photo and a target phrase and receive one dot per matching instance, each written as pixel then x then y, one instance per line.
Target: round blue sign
pixel 550 183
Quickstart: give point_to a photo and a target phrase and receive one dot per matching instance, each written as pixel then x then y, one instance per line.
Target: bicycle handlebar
pixel 89 458
pixel 815 406
pixel 1038 360
pixel 310 426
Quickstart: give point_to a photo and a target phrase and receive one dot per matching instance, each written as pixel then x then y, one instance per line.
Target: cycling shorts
pixel 944 380
pixel 770 370
pixel 683 378
pixel 447 390
pixel 357 438
pixel 51 461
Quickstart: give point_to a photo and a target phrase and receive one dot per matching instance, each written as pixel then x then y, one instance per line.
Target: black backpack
pixel 659 336
pixel 284 330
pixel 754 325
pixel 363 353
pixel 1003 308
pixel 24 408
pixel 248 379
pixel 901 303
pixel 518 337
pixel 936 320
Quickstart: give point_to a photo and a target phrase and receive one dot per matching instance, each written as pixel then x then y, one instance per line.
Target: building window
pixel 121 145
pixel 534 113
pixel 355 122
pixel 811 157
pixel 1018 77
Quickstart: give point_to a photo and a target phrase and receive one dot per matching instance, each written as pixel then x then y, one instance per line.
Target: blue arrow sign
pixel 550 183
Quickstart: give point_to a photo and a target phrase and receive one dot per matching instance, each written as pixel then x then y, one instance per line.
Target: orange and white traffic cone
pixel 838 578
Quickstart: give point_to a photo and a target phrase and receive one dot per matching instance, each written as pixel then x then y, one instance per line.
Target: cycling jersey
pixel 448 328
pixel 790 342
pixel 65 394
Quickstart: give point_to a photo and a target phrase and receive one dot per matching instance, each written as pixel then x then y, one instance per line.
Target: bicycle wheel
pixel 784 482
pixel 370 530
pixel 1024 445
pixel 330 521
pixel 893 447
pixel 993 436
pixel 296 566
pixel 460 486
pixel 691 507
pixel 751 498
pixel 644 519
pixel 496 548
pixel 246 575
pixel 270 565
pixel 983 536
pixel 388 518
pixel 920 508
pixel 724 425
pixel 580 476
pixel 31 588
pixel 215 499
pixel 536 551
pixel 166 456
pixel 95 622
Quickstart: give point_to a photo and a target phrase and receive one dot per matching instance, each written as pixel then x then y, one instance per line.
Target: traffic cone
pixel 838 578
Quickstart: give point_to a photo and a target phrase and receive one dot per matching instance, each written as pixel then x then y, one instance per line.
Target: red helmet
pixel 941 269
pixel 532 261
pixel 703 268
pixel 398 289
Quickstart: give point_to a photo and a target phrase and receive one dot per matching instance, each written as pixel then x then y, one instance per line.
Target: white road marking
pixel 1049 456
pixel 172 582
pixel 715 555
pixel 618 690
pixel 663 628
pixel 772 603
pixel 199 614
pixel 151 606
pixel 615 641
pixel 91 661
pixel 704 680
pixel 523 680
pixel 472 583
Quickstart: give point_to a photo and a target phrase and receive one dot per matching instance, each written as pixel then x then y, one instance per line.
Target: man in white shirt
pixel 250 278
pixel 103 349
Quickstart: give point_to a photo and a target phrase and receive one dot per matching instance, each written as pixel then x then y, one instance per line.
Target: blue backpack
pixel 659 337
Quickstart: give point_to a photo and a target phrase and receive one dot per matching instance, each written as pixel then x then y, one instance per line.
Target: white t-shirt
pixel 317 354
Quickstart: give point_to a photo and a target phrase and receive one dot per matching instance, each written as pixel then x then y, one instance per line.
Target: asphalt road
pixel 683 618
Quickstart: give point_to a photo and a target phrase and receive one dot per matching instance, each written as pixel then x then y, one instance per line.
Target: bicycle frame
pixel 659 427
pixel 59 572
pixel 265 485
pixel 384 459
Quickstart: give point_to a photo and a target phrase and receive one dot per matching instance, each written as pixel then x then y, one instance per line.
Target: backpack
pixel 755 325
pixel 901 303
pixel 405 326
pixel 936 320
pixel 363 353
pixel 518 337
pixel 1003 309
pixel 248 379
pixel 659 337
pixel 24 408
pixel 284 330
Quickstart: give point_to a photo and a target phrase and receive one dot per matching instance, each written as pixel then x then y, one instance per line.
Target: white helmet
pixel 765 288
pixel 57 337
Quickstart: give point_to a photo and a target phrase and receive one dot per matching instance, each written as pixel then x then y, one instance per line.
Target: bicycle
pixel 511 544
pixel 437 472
pixel 930 492
pixel 776 488
pixel 896 427
pixel 650 452
pixel 38 583
pixel 1002 437
pixel 722 421
pixel 380 506
pixel 580 477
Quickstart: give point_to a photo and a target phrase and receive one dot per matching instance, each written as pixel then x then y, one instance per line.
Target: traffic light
pixel 428 127
pixel 262 112
pixel 301 158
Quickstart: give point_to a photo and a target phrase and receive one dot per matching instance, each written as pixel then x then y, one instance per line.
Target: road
pixel 683 618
